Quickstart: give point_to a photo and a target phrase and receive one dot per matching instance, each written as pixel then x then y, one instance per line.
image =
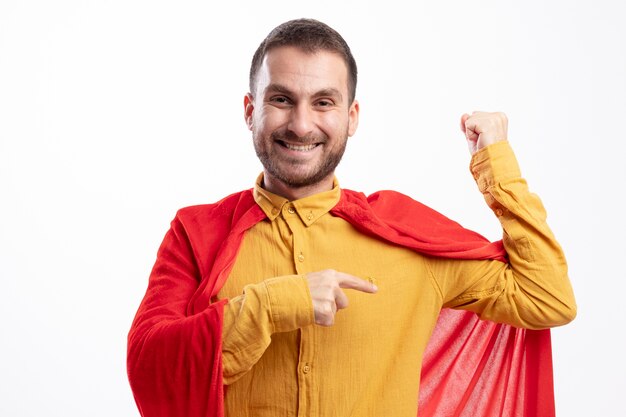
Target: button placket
pixel 299 231
pixel 306 377
pixel 298 253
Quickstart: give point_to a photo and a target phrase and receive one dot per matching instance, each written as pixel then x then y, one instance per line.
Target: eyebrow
pixel 324 92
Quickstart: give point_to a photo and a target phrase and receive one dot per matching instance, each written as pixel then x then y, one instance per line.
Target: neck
pixel 292 193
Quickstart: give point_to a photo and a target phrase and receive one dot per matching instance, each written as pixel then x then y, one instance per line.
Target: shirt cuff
pixel 291 306
pixel 494 164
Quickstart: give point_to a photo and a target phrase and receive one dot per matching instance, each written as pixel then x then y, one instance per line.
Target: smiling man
pixel 300 114
pixel 241 316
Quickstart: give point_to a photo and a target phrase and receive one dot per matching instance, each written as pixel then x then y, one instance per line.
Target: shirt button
pixel 274 210
pixel 301 258
pixel 306 368
pixel 499 212
pixel 291 210
pixel 309 216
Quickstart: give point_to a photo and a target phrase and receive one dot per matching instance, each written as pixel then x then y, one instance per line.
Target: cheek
pixel 271 119
pixel 334 124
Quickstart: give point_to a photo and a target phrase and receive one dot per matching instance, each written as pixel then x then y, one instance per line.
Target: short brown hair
pixel 309 35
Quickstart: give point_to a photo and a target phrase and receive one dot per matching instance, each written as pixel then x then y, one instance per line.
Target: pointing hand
pixel 327 294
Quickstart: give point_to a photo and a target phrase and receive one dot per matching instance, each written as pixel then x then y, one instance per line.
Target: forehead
pixel 301 71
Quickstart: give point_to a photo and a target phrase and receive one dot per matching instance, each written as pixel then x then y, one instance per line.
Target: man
pixel 246 293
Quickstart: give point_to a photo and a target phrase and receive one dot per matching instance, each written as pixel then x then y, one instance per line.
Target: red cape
pixel 470 368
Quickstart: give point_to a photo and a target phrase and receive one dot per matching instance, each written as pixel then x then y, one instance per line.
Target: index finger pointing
pixel 354 283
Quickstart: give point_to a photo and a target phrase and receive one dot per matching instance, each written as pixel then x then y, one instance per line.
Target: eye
pixel 282 100
pixel 324 103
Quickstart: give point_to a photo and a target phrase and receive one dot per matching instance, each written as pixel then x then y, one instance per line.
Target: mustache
pixel 298 140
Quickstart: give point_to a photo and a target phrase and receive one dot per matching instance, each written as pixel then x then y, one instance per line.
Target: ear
pixel 248 109
pixel 353 117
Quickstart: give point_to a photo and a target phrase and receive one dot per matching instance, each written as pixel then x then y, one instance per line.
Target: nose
pixel 301 120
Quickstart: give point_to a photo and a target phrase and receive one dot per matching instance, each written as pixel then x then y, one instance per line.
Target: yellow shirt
pixel 277 362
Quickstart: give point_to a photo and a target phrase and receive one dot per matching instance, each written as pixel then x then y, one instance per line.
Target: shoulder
pixel 379 197
pixel 214 218
pixel 391 199
pixel 222 208
pixel 394 206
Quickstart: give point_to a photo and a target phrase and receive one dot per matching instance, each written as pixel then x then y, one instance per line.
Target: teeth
pixel 302 148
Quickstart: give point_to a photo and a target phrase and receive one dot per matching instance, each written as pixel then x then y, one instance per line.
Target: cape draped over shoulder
pixel 470 368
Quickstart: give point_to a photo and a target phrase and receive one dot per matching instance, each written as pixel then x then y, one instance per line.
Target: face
pixel 300 116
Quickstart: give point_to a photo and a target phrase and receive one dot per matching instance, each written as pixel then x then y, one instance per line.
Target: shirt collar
pixel 309 208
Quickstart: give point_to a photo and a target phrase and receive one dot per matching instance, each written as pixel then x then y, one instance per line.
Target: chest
pixel 288 247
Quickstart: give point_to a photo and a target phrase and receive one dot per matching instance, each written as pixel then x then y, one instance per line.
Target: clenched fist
pixel 482 129
pixel 328 296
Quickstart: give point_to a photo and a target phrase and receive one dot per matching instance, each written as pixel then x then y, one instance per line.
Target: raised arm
pixel 532 290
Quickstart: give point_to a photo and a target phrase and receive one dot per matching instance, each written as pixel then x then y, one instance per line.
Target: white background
pixel 114 114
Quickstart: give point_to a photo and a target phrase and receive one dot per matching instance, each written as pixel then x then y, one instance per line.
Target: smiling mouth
pixel 299 148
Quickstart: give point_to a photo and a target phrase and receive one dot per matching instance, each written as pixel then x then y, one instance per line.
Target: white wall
pixel 113 114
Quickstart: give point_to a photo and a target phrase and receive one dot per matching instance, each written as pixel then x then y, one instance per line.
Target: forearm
pixel 275 305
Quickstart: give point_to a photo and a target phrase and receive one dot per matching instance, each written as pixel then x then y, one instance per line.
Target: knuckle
pixel 328 274
pixel 326 319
